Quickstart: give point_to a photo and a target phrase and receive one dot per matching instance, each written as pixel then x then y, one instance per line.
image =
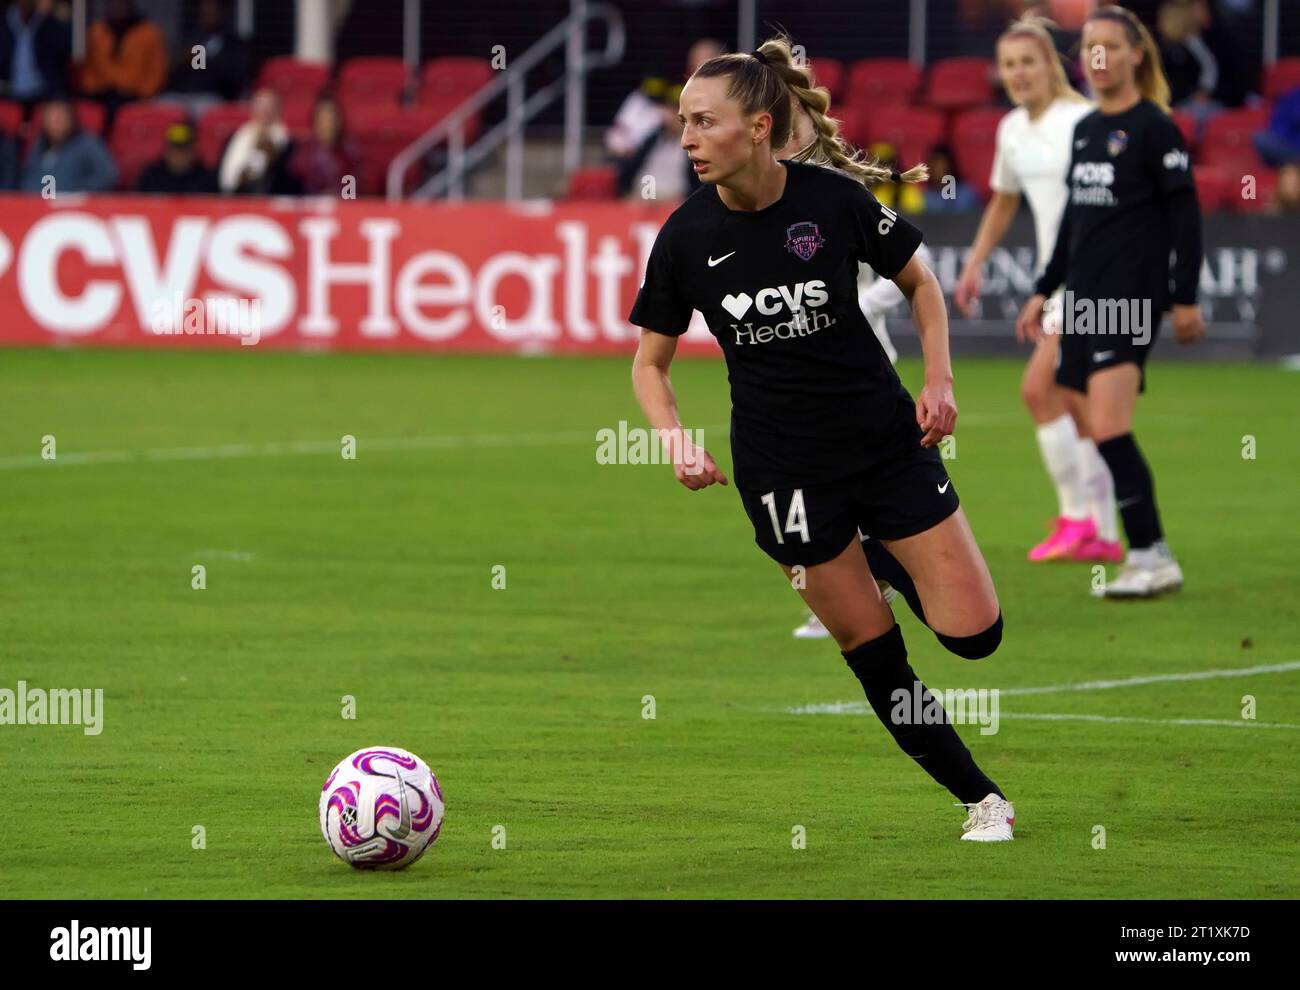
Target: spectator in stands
pixel 660 157
pixel 904 198
pixel 1200 60
pixel 641 114
pixel 76 160
pixel 35 46
pixel 1279 143
pixel 225 64
pixel 319 164
pixel 10 168
pixel 255 158
pixel 179 170
pixel 1286 199
pixel 126 58
pixel 1190 66
pixel 943 192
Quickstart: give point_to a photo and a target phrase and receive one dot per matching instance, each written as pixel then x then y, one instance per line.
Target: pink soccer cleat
pixel 1067 536
pixel 1094 550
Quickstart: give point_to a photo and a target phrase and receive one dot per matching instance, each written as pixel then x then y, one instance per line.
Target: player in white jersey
pixel 1033 156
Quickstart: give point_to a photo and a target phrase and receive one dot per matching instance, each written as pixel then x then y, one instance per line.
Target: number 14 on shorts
pixel 796 519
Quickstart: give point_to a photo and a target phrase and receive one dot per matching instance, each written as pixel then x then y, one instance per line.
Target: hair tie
pixel 894 176
pixel 758 55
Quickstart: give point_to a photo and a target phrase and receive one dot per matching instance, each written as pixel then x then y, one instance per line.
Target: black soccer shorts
pixel 1082 354
pixel 902 495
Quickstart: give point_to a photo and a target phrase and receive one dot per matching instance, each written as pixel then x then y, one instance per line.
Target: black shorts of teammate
pixel 905 494
pixel 1081 354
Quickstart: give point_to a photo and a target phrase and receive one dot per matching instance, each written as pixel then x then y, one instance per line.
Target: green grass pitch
pixel 372 578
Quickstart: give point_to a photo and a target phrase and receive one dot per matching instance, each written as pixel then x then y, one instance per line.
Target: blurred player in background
pixel 826 441
pixel 876 296
pixel 1132 201
pixel 1033 157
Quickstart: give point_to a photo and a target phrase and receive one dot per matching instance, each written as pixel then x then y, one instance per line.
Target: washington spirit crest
pixel 803 239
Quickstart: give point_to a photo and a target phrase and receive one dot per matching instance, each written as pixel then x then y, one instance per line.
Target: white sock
pixel 1059 443
pixel 1100 487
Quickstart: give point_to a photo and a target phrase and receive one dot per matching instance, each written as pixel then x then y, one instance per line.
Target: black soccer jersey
pixel 814 397
pixel 1131 200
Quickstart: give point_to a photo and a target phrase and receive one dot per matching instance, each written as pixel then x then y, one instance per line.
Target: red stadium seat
pixel 877 82
pixel 11 117
pixel 1281 77
pixel 828 72
pixel 137 137
pixel 1187 125
pixel 853 124
pixel 974 145
pixel 447 82
pixel 913 131
pixel 1215 186
pixel 297 113
pixel 960 83
pixel 380 135
pixel 377 80
pixel 598 182
pixel 215 128
pixel 293 79
pixel 1229 140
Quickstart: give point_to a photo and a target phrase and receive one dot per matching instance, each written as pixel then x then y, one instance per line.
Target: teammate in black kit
pixel 825 439
pixel 1131 200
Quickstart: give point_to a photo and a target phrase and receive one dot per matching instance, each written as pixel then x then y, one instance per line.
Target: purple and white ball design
pixel 381 808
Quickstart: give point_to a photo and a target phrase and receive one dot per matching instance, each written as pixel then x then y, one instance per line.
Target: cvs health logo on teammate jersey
pixel 771 301
pixel 1092 182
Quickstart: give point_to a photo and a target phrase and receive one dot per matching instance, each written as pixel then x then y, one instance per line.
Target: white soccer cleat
pixel 812 629
pixel 989 821
pixel 1146 574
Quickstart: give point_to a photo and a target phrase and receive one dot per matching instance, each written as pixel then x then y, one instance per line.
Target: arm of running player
pixel 692 464
pixel 936 409
pixel 993 227
pixel 1183 215
pixel 1029 326
pixel 1184 218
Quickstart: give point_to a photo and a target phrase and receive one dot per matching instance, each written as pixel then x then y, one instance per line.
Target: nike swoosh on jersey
pixel 717 261
pixel 1103 355
pixel 1080 143
pixel 944 487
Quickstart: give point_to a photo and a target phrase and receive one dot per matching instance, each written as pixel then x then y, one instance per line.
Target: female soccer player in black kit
pixel 825 439
pixel 1131 200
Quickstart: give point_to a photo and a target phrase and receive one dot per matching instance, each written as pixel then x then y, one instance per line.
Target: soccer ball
pixel 381 808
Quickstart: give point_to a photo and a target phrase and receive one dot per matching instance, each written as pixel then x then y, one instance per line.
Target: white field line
pixel 1241 723
pixel 292 447
pixel 862 708
pixel 280 448
pixel 1195 675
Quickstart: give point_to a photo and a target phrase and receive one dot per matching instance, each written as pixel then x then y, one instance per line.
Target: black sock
pixel 881 665
pixel 885 567
pixel 1135 491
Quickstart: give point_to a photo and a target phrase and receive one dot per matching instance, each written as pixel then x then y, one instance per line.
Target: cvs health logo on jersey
pixel 795 300
pixel 1092 182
